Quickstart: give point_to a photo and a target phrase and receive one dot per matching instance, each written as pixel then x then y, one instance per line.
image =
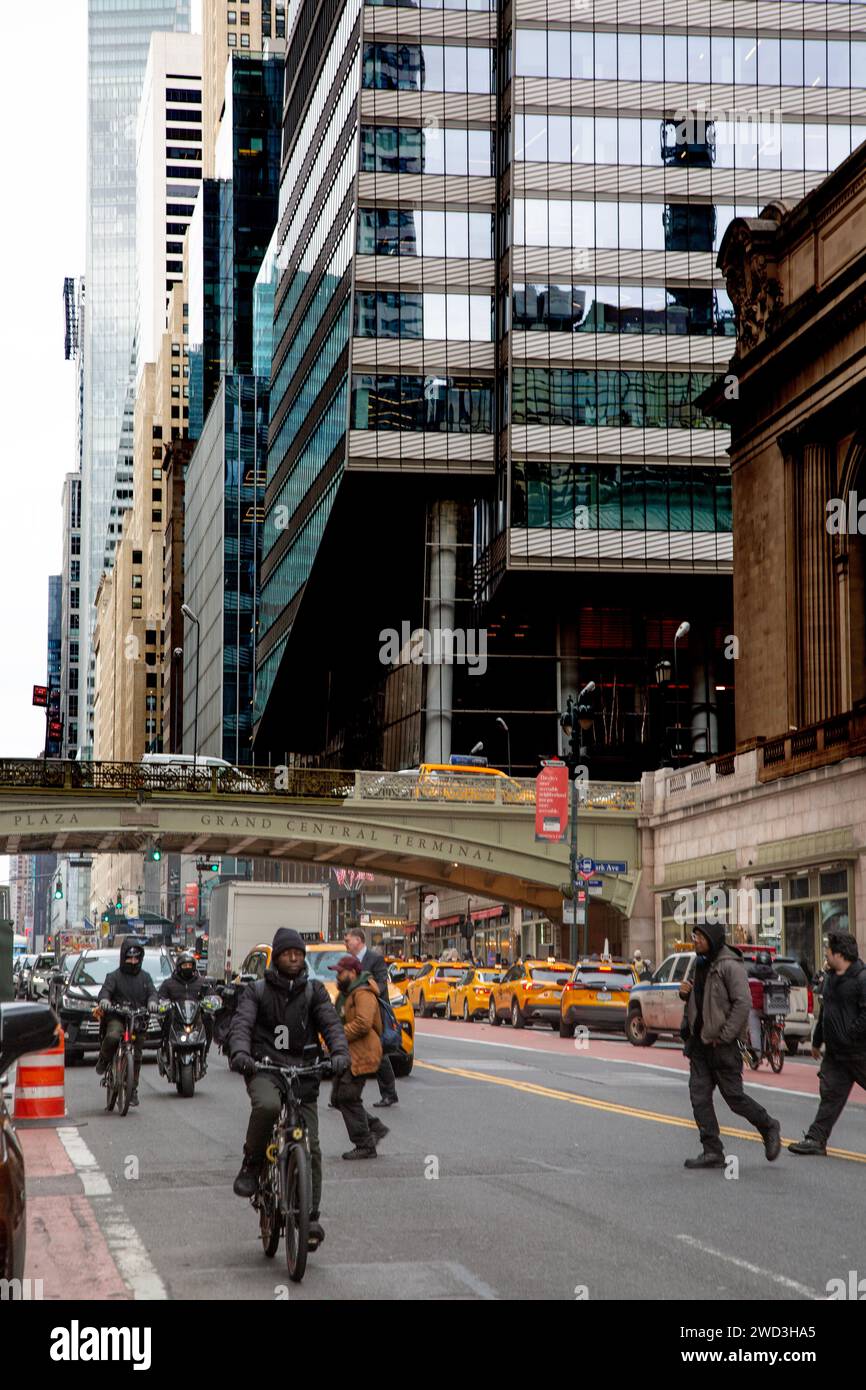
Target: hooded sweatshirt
pixel 126 986
pixel 717 1009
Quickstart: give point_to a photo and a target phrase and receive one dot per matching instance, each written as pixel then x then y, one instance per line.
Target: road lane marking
pixel 781 1279
pixel 611 1107
pixel 127 1251
pixel 585 1054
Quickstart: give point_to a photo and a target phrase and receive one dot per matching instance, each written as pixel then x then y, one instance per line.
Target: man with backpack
pixel 358 1011
pixel 371 961
pixel 277 1019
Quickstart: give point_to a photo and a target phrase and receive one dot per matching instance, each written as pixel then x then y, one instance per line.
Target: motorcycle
pixel 182 1055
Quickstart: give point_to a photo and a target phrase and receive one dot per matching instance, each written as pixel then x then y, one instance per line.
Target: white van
pixel 183 762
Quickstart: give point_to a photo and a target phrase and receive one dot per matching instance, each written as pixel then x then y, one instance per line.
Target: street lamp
pixel 176 730
pixel 502 724
pixel 575 721
pixel 682 631
pixel 188 613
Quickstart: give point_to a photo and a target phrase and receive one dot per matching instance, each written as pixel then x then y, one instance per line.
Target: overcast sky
pixel 43 116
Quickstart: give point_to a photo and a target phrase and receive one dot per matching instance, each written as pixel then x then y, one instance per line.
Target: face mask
pixel 133 966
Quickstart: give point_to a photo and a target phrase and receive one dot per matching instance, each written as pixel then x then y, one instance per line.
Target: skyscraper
pixel 118 42
pixel 498 304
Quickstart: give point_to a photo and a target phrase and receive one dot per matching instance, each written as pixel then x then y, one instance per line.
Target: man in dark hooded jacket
pixel 276 1022
pixel 185 983
pixel 130 986
pixel 717 1013
pixel 841 1030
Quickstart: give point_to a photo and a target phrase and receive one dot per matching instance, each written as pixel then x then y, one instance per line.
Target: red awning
pixel 484 913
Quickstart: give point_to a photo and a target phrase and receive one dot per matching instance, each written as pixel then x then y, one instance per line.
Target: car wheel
pixel 467 1017
pixel 566 1030
pixel 793 1046
pixel 424 1007
pixel 517 1019
pixel 636 1030
pixel 493 1016
pixel 554 1023
pixel 448 1014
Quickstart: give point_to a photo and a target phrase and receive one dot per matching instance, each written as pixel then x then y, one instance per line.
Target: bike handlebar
pixel 317 1069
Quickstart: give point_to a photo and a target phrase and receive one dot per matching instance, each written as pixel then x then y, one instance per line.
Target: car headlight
pixel 397 1000
pixel 73 1001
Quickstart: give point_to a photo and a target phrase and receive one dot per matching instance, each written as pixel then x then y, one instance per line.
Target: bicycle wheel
pixel 111 1084
pixel 776 1050
pixel 269 1210
pixel 298 1199
pixel 125 1080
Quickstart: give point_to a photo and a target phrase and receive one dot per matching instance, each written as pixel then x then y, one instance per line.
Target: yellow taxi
pixel 402 971
pixel 596 996
pixel 529 993
pixel 321 955
pixel 467 782
pixel 469 996
pixel 428 992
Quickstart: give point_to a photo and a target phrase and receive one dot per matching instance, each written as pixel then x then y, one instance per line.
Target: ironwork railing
pixel 325 783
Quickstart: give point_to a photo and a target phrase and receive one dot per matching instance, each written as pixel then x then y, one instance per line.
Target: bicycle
pixel 283 1197
pixel 119 1079
pixel 772 1044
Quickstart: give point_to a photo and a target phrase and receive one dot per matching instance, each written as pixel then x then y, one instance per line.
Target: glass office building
pixel 498 291
pixel 118 42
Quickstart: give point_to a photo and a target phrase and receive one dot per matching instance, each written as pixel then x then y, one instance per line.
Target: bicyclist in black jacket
pixel 275 1024
pixel 133 987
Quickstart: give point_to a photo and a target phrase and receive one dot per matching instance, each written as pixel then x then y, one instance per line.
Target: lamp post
pixel 682 631
pixel 574 721
pixel 188 613
pixel 176 730
pixel 502 724
pixel 663 678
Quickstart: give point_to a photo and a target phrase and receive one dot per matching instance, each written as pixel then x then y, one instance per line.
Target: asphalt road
pixel 508 1173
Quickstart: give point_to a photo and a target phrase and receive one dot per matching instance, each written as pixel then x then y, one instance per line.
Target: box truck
pixel 243 915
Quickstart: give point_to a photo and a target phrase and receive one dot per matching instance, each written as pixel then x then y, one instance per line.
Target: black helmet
pixel 185 965
pixel 764 958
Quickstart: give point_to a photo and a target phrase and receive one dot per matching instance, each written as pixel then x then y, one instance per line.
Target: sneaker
pixel 773 1141
pixel 316 1235
pixel 808 1145
pixel 133 1099
pixel 706 1160
pixel 247 1180
pixel 359 1152
pixel 385 1102
pixel 378 1131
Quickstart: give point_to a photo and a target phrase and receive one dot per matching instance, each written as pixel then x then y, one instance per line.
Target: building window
pixel 74 545
pixel 175 369
pixel 136 602
pixel 136 557
pixel 245 40
pixel 72 706
pixel 73 597
pixel 137 581
pixel 175 412
pixel 175 391
pixel 245 18
pixel 451 404
pixel 156 474
pixel 73 623
pixel 232 16
pixel 233 40
pixel 75 571
pixel 73 680
pixel 156 516
pixel 73 651
pixel 156 494
pixel 150 680
pixel 175 349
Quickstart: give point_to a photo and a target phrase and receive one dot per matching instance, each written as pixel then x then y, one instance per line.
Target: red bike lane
pixel 798 1075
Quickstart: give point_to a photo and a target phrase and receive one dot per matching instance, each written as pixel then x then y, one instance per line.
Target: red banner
pixel 190 899
pixel 551 802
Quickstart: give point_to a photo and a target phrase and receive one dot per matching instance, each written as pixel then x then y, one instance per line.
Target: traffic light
pixel 58 889
pixel 118 906
pixel 214 866
pixel 155 855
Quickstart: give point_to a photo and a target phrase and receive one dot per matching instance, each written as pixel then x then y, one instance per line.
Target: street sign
pixel 551 802
pixel 568 914
pixel 40 695
pixel 595 886
pixel 611 866
pixel 585 867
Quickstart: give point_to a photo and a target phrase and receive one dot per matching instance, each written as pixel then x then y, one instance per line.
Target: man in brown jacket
pixel 717 1015
pixel 358 1011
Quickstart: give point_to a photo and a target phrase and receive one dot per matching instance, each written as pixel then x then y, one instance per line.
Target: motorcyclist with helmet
pixel 186 983
pixel 130 986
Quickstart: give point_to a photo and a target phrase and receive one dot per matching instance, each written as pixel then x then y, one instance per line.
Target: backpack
pixel 225 1025
pixel 392 1036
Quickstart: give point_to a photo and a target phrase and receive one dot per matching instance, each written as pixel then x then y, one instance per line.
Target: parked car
pixel 530 992
pixel 597 996
pixel 58 977
pixel 428 991
pixel 79 995
pixel 22 979
pixel 800 1019
pixel 41 974
pixel 23 1028
pixel 469 997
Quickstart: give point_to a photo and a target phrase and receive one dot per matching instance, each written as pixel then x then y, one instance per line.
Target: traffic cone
pixel 40 1081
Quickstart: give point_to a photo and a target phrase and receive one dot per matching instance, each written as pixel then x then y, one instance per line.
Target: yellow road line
pixel 611 1107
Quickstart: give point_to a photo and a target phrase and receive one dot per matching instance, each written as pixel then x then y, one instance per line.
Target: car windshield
pixel 549 976
pixel 608 979
pixel 789 970
pixel 94 970
pixel 450 974
pixel 487 977
pixel 319 961
pixel 43 962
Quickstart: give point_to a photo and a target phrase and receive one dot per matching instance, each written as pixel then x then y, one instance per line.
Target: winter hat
pixel 346 963
pixel 715 934
pixel 285 939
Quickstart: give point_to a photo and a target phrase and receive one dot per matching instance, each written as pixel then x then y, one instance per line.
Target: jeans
pixel 348 1090
pixel 114 1030
pixel 266 1099
pixel 720 1066
pixel 835 1079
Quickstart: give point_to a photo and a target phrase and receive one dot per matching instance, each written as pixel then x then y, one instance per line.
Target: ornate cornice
pixel 748 260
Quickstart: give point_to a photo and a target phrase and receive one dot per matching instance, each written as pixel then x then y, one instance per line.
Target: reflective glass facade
pixel 118 42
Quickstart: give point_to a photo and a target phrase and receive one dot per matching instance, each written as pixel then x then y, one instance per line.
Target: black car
pixel 23 1028
pixel 59 976
pixel 79 995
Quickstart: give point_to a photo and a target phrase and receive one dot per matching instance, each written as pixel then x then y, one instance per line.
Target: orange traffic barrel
pixel 39 1084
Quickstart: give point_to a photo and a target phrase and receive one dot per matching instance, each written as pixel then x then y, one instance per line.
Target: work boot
pixel 808 1145
pixel 385 1102
pixel 361 1151
pixel 378 1131
pixel 247 1179
pixel 133 1099
pixel 316 1235
pixel 773 1141
pixel 706 1160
